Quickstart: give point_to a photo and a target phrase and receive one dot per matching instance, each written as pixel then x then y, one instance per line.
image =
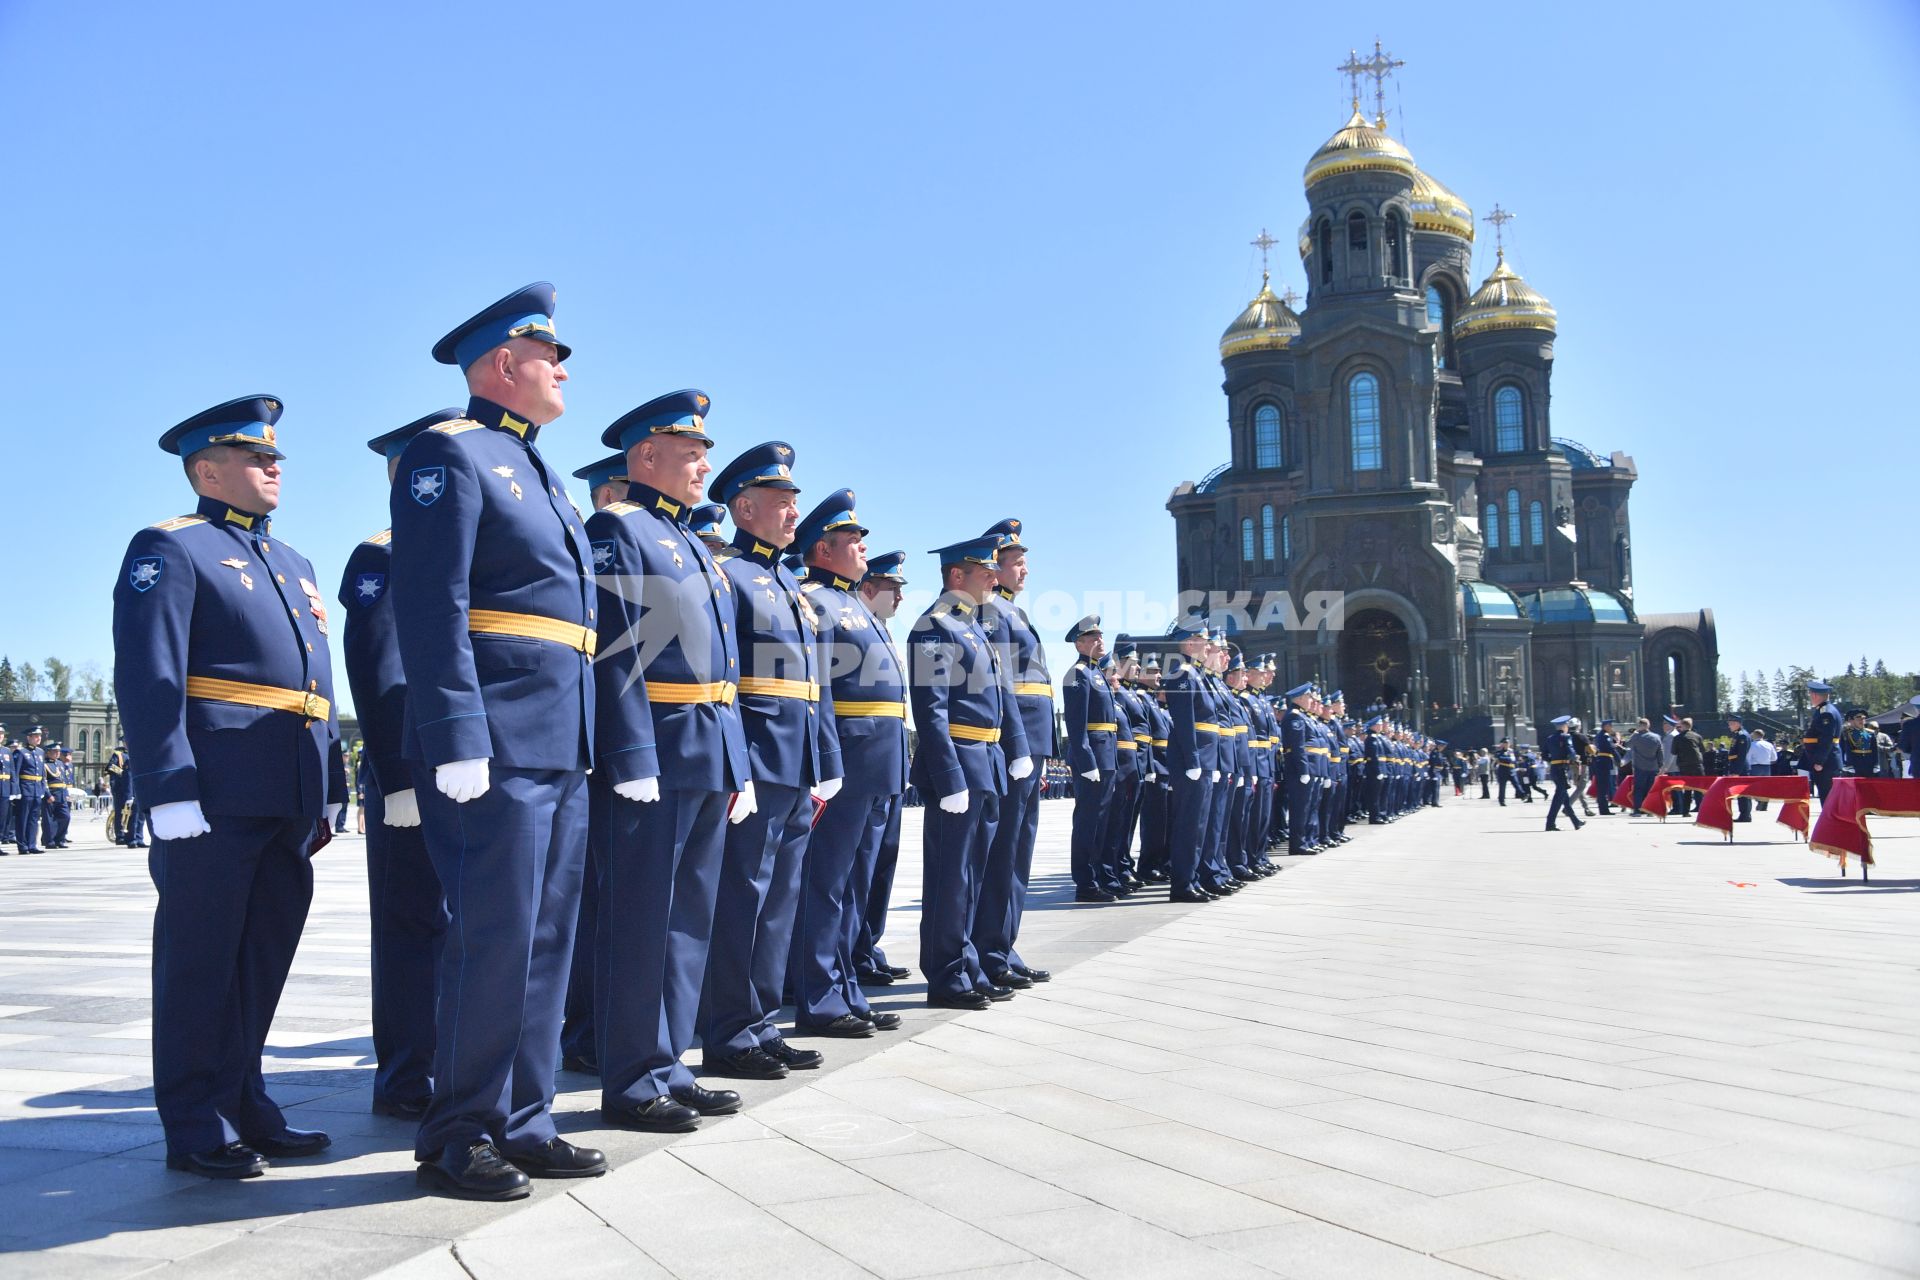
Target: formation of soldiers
pixel 37 789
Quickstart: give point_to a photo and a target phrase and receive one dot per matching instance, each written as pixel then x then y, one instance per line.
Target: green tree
pixel 1797 677
pixel 1722 693
pixel 1746 692
pixel 9 682
pixel 29 682
pixel 59 679
pixel 1782 692
pixel 89 684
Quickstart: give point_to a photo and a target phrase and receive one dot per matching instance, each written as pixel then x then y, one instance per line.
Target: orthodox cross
pixel 1499 218
pixel 1290 297
pixel 1378 68
pixel 1263 243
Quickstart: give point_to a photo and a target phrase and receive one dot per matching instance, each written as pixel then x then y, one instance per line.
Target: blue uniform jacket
pixel 668 671
pixel 1161 725
pixel 1126 714
pixel 1820 744
pixel 1296 737
pixel 9 773
pixel 1091 719
pixel 491 594
pixel 869 687
pixel 1189 707
pixel 1025 659
pixel 963 708
pixel 373 662
pixel 786 700
pixel 216 596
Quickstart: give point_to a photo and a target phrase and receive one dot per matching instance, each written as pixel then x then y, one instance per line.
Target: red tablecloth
pixel 1656 801
pixel 1841 831
pixel 1792 790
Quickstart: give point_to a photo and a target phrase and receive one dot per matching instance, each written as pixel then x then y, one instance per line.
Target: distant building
pixel 89 728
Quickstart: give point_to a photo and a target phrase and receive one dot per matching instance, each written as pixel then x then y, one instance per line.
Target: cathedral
pixel 1391 441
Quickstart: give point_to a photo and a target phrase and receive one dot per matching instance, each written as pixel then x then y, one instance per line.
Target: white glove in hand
pixel 1193 775
pixel 955 803
pixel 181 820
pixel 403 809
pixel 640 790
pixel 1303 779
pixel 463 780
pixel 743 804
pixel 1020 768
pixel 1216 775
pixel 1091 775
pixel 827 790
pixel 1239 782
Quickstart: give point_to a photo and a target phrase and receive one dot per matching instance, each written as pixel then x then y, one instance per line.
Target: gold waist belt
pixel 1033 689
pixel 972 733
pixel 531 626
pixel 895 710
pixel 803 689
pixel 721 691
pixel 1127 744
pixel 208 689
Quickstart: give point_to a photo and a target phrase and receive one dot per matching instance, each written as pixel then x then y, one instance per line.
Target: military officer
pixel 1134 774
pixel 493 613
pixel 1003 888
pixel 1111 860
pixel 880 590
pixel 1739 742
pixel 1559 753
pixel 1606 763
pixel 1820 742
pixel 868 698
pixel 57 815
pixel 30 778
pixel 971 741
pixel 404 898
pixel 1092 733
pixel 1193 754
pixel 1862 747
pixel 1214 876
pixel 220 657
pixel 675 755
pixel 707 523
pixel 793 752
pixel 1240 800
pixel 9 791
pixel 116 790
pixel 606 480
pixel 1299 738
pixel 1154 846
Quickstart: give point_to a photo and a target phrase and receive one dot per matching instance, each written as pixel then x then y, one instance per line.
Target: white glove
pixel 1303 779
pixel 462 780
pixel 743 804
pixel 1091 775
pixel 181 820
pixel 403 809
pixel 955 803
pixel 1193 775
pixel 827 790
pixel 640 790
pixel 1239 782
pixel 1216 775
pixel 1020 768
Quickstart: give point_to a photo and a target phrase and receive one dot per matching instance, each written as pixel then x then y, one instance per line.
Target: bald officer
pixel 493 609
pixel 226 691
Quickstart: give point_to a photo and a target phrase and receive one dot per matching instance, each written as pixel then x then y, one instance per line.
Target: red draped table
pixel 1656 801
pixel 1791 790
pixel 1841 831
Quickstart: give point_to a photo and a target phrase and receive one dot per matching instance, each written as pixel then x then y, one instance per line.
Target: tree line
pixel 53 681
pixel 1869 686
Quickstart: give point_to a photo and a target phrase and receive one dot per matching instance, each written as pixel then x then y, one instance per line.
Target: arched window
pixel 1266 532
pixel 1267 451
pixel 1513 519
pixel 1536 524
pixel 1363 420
pixel 1286 539
pixel 1492 523
pixel 1509 420
pixel 1438 316
pixel 1357 233
pixel 1246 539
pixel 1396 253
pixel 1324 234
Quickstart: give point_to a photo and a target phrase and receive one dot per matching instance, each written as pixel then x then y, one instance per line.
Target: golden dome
pixel 1267 324
pixel 1357 147
pixel 1504 301
pixel 1436 208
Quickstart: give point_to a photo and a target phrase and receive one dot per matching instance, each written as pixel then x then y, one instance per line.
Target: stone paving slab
pixel 1459 1046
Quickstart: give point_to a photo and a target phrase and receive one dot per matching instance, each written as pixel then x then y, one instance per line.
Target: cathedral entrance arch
pixel 1376 659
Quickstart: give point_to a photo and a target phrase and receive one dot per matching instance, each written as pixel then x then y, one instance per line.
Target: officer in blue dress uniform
pixel 1606 759
pixel 493 611
pixel 1559 752
pixel 880 590
pixel 9 793
pixel 606 480
pixel 1214 876
pixel 1135 772
pixel 220 657
pixel 675 755
pixel 793 754
pixel 1154 803
pixel 1092 733
pixel 404 898
pixel 1239 723
pixel 30 779
pixel 869 701
pixel 1739 742
pixel 1298 738
pixel 1193 753
pixel 57 816
pixel 1862 752
pixel 1820 742
pixel 1110 865
pixel 1003 890
pixel 971 741
pixel 708 524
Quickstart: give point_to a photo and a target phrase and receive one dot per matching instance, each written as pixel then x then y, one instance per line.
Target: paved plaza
pixel 1459 1046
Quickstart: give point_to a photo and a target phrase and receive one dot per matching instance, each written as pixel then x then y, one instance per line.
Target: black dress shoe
pixel 1032 974
pixel 291 1144
pixel 1008 978
pixel 1092 895
pixel 794 1059
pixel 584 1066
pixel 965 1000
pixel 845 1026
pixel 235 1160
pixel 708 1102
pixel 472 1171
pixel 400 1110
pixel 749 1064
pixel 874 977
pixel 1193 895
pixel 656 1115
pixel 995 993
pixel 558 1158
pixel 899 971
pixel 882 1021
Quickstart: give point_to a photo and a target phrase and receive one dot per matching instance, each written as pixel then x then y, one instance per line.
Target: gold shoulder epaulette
pixel 455 427
pixel 178 522
pixel 725 554
pixel 621 508
pixel 811 586
pixel 381 538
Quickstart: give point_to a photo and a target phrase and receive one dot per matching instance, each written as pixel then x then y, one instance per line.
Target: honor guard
pixel 1157 792
pixel 1862 747
pixel 9 790
pixel 1214 877
pixel 1240 800
pixel 30 781
pixel 1606 761
pixel 673 751
pixel 1193 754
pixel 1820 742
pixel 868 697
pixel 971 741
pixel 1110 864
pixel 220 656
pixel 1135 767
pixel 1003 889
pixel 1091 753
pixel 880 590
pixel 1298 737
pixel 404 898
pixel 57 817
pixel 493 613
pixel 1559 753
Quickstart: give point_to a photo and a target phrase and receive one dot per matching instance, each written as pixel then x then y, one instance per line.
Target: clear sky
pixel 972 260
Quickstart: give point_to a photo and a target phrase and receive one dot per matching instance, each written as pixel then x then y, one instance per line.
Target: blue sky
pixel 973 261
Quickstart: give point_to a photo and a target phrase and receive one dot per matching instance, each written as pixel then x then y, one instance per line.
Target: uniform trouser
pixel 1299 806
pixel 1562 801
pixel 579 1037
pixel 1003 885
pixel 1746 805
pixel 1116 834
pixel 1261 821
pixel 409 925
pixel 1213 847
pixel 510 861
pixel 753 918
pixel 1090 801
pixel 232 905
pixel 1506 780
pixel 1603 786
pixel 27 824
pixel 826 927
pixel 1822 780
pixel 1323 810
pixel 657 885
pixel 954 849
pixel 7 806
pixel 867 952
pixel 51 813
pixel 1189 806
pixel 117 827
pixel 1153 825
pixel 1376 800
pixel 1642 784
